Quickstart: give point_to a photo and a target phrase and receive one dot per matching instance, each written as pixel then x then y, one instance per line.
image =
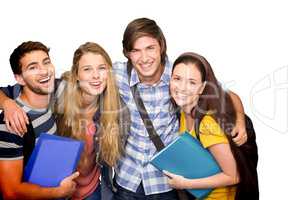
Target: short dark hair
pixel 143 27
pixel 21 50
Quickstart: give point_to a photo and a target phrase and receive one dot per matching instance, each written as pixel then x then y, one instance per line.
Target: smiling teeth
pixel 45 79
pixel 95 84
pixel 146 65
pixel 181 95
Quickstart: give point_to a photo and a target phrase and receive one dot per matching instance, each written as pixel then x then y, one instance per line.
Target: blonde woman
pixel 89 109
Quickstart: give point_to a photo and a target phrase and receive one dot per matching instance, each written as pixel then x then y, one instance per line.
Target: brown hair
pixel 70 103
pixel 214 98
pixel 21 50
pixel 143 27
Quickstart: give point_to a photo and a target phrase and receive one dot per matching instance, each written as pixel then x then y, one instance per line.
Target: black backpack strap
pixel 198 118
pixel 154 137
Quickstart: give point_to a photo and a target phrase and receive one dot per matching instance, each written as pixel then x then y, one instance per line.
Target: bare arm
pixel 14 116
pixel 238 106
pixel 12 186
pixel 228 176
pixel 239 131
pixel 3 98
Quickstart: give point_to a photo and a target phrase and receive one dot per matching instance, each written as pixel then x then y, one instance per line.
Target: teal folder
pixel 53 158
pixel 187 157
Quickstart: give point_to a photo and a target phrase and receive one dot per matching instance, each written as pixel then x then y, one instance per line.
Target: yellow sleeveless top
pixel 211 133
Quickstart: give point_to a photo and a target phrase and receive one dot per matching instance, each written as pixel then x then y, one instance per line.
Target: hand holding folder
pixel 53 159
pixel 187 157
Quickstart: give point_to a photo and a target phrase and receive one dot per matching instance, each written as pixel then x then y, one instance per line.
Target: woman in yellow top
pixel 206 110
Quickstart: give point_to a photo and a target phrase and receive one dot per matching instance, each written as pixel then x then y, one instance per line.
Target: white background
pixel 251 45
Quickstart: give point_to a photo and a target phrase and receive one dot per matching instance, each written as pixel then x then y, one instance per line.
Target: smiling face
pixel 146 59
pixel 92 74
pixel 186 85
pixel 37 72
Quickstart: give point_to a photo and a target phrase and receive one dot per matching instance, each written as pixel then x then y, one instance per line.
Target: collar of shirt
pixel 28 109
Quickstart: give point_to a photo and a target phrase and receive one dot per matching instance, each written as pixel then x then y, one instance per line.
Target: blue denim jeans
pixel 123 194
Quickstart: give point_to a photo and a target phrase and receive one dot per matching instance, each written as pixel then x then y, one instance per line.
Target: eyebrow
pixel 34 63
pixel 151 45
pixel 92 65
pixel 47 58
pixel 190 79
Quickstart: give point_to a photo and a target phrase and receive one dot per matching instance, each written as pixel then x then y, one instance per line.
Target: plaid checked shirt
pixel 134 167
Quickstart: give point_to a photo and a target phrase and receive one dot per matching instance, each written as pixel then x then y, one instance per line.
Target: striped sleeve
pixel 11 145
pixel 11 91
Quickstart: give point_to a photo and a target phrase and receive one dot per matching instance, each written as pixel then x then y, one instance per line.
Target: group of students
pixel 95 102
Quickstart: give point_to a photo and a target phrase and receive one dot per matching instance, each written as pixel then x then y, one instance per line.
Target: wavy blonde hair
pixel 71 121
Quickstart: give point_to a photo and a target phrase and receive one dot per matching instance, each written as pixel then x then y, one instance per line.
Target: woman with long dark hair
pixel 207 112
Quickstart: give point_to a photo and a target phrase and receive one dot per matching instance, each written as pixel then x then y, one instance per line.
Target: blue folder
pixel 187 157
pixel 53 158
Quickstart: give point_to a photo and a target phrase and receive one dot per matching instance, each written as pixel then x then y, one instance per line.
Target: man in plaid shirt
pixel 145 47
